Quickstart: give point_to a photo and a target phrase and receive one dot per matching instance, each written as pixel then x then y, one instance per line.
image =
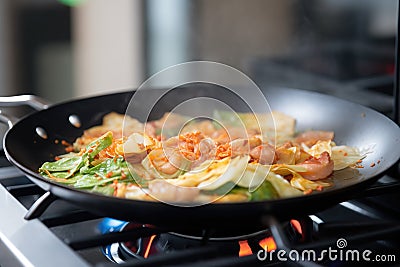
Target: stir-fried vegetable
pixel 266 191
pixel 79 170
pixel 207 161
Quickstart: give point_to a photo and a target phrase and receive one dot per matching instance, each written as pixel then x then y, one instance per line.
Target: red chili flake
pixel 359 161
pixel 372 164
pixel 65 143
pixel 56 141
pixel 378 161
pixel 57 158
pixel 69 149
pixel 224 151
pixel 319 188
pixel 123 175
pixel 108 175
pixel 90 150
pixel 345 154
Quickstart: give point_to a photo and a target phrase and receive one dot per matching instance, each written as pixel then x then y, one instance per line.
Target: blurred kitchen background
pixel 61 49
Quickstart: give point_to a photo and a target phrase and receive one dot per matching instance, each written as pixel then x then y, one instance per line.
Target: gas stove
pixel 350 233
pixel 64 235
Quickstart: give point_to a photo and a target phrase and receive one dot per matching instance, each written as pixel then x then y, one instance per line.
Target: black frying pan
pixel 353 124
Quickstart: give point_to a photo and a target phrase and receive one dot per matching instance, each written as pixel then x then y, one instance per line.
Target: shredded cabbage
pixel 345 156
pixel 282 186
pixel 317 149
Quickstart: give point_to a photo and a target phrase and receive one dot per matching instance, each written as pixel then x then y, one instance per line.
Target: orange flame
pixel 245 249
pixel 267 244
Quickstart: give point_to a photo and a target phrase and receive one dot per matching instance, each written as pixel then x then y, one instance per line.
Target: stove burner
pixel 232 242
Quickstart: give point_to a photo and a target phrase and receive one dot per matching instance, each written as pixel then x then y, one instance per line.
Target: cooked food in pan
pixel 234 157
